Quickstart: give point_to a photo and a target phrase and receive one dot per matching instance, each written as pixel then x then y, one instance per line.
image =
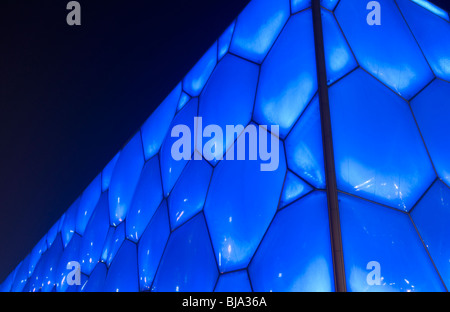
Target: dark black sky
pixel 70 97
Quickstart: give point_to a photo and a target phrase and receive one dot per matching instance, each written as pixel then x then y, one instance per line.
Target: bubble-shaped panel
pixel 195 80
pixel 124 179
pixel 224 41
pixel 378 150
pixel 295 254
pixel 241 202
pixel 96 279
pixel 147 197
pixel 69 222
pixel 188 263
pixel 293 188
pixel 88 201
pixel 257 27
pixel 378 238
pixel 288 75
pixel 432 109
pixel 107 172
pixel 188 195
pixel 113 241
pixel 388 51
pixel 151 246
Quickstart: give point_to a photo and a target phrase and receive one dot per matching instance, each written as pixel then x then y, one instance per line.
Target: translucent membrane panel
pixel 432 8
pixel 123 273
pixel 329 4
pixel 388 51
pixel 195 80
pixel 36 254
pixel 107 172
pixel 432 219
pixel 188 195
pixel 228 99
pixel 71 253
pixel 339 59
pixel 51 234
pixel 178 146
pixel 243 198
pixel 432 109
pixel 45 277
pixel 22 275
pixel 298 5
pixel 224 40
pixel 113 241
pixel 293 188
pixel 288 75
pixel 188 263
pixel 88 201
pixel 257 27
pixel 433 35
pixel 151 246
pixel 147 197
pixel 69 222
pixel 95 235
pixel 378 151
pixel 304 147
pixel 382 251
pixel 96 279
pixel 155 129
pixel 234 282
pixel 295 254
pixel 124 179
pixel 184 98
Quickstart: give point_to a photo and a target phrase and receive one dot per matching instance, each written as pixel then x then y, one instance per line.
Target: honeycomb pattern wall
pixel 148 222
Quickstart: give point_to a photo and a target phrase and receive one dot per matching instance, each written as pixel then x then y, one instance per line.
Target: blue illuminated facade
pixel 149 222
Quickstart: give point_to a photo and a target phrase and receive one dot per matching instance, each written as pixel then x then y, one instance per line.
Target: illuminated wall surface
pixel 149 222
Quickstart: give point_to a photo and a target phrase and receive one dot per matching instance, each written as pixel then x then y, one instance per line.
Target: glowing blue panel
pixel 378 151
pixel 374 233
pixel 432 219
pixel 228 99
pixel 184 98
pixel 51 234
pixel 304 147
pixel 69 223
pixel 71 253
pixel 171 168
pixel 234 282
pixel 188 263
pixel 36 254
pixel 433 35
pixel 388 51
pixel 288 75
pixel 124 179
pixel 293 188
pixel 95 235
pixel 107 172
pixel 257 27
pixel 295 254
pixel 195 80
pixel 242 200
pixel 298 5
pixel 123 273
pixel 431 109
pixel 113 241
pixel 339 59
pixel 224 40
pixel 151 246
pixel 329 4
pixel 21 275
pixel 188 195
pixel 432 8
pixel 154 130
pixel 88 200
pixel 96 279
pixel 147 197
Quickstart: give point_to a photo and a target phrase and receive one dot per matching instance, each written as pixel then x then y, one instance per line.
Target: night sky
pixel 71 96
